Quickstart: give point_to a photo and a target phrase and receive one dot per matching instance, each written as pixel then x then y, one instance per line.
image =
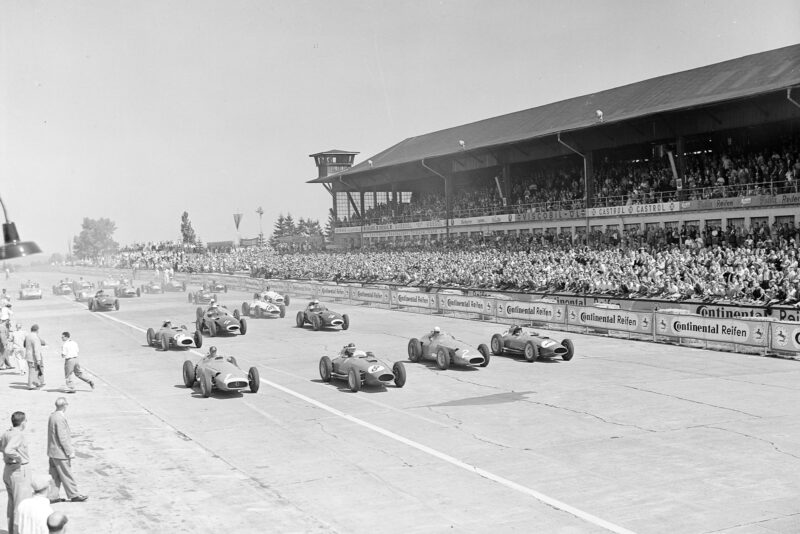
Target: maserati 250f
pixel 446 350
pixel 221 373
pixel 361 368
pixel 532 345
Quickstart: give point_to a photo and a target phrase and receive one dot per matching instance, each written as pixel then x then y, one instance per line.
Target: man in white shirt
pixel 33 512
pixel 69 351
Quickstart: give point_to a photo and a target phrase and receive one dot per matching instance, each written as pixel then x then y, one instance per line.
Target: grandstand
pixel 709 148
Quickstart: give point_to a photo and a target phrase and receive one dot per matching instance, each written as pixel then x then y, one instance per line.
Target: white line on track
pixel 541 497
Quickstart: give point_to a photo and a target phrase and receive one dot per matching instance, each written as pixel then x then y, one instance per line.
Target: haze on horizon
pixel 138 111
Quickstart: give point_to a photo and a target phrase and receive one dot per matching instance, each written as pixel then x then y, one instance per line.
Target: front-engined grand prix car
pixel 102 302
pixel 110 283
pixel 217 320
pixel 215 286
pixel 62 288
pixel 221 373
pixel 530 344
pixel 30 290
pixel 173 336
pixel 361 368
pixel 84 295
pixel 273 297
pixel 175 285
pixel 446 350
pixel 153 286
pixel 77 285
pixel 126 290
pixel 263 308
pixel 319 316
pixel 201 296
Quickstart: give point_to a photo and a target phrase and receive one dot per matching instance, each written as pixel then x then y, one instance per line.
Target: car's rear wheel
pixel 414 349
pixel 442 358
pixel 205 384
pixel 188 374
pixel 164 343
pixel 116 304
pixel 531 351
pixel 354 380
pixel 345 321
pixel 198 312
pixel 484 350
pixel 325 368
pixel 151 335
pixel 497 345
pixel 316 322
pixel 245 308
pixel 198 339
pixel 243 326
pixel 286 300
pixel 300 319
pixel 399 371
pixel 283 311
pixel 567 343
pixel 254 380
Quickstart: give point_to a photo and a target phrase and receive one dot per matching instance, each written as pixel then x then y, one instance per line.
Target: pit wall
pixel 740 327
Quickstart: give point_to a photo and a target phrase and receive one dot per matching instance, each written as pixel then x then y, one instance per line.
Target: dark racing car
pixel 447 350
pixel 126 290
pixel 531 345
pixel 217 320
pixel 202 296
pixel 62 288
pixel 154 286
pixel 215 286
pixel 361 368
pixel 103 302
pixel 319 316
pixel 174 285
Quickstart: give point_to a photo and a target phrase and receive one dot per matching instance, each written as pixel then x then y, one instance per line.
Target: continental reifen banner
pixel 333 291
pixel 785 336
pixel 532 311
pixel 626 321
pixel 413 299
pixel 743 332
pixel 368 294
pixel 465 304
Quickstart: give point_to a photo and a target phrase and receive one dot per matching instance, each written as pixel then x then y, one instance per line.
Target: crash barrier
pixel 764 334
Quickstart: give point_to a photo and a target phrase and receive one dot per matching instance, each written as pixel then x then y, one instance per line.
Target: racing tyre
pixel 116 304
pixel 345 321
pixel 286 299
pixel 138 292
pixel 243 325
pixel 198 339
pixel 91 305
pixel 205 385
pixel 164 343
pixel 414 349
pixel 325 368
pixel 567 343
pixel 212 328
pixel 199 312
pixel 354 380
pixel 188 373
pixel 236 314
pixel 531 351
pixel 497 345
pixel 283 311
pixel 254 380
pixel 300 319
pixel 151 335
pixel 316 323
pixel 442 358
pixel 399 371
pixel 484 350
pixel 199 325
pixel 245 308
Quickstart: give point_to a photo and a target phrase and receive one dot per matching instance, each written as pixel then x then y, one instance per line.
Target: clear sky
pixel 137 110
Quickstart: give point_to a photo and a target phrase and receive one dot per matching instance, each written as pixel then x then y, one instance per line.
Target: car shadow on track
pixel 431 366
pixel 219 395
pixel 341 385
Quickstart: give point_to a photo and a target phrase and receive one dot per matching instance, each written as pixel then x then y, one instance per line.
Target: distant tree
pixel 288 225
pixel 95 239
pixel 279 227
pixel 187 232
pixel 56 257
pixel 331 224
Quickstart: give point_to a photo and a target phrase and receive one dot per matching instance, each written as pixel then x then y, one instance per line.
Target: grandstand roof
pixel 743 77
pixel 326 152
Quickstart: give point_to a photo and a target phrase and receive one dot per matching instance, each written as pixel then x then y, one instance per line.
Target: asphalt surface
pixel 626 437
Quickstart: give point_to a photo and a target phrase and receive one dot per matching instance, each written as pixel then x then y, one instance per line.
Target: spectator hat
pixel 40 483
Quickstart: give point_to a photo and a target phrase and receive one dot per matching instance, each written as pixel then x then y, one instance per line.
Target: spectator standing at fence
pixel 16 474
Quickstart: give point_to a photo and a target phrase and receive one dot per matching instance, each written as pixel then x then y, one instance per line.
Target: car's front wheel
pixel 164 343
pixel 399 371
pixel 414 349
pixel 497 345
pixel 354 380
pixel 188 374
pixel 198 339
pixel 151 335
pixel 567 343
pixel 345 321
pixel 531 351
pixel 254 380
pixel 484 350
pixel 325 368
pixel 442 358
pixel 205 385
pixel 300 319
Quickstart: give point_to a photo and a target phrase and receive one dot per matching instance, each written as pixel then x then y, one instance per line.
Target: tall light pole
pixel 260 212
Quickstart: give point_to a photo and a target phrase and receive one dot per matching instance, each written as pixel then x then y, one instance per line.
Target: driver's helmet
pixel 100 293
pixel 266 288
pixel 350 349
pixel 167 324
pixel 516 329
pixel 213 305
pixel 212 351
pixel 314 303
pixel 436 330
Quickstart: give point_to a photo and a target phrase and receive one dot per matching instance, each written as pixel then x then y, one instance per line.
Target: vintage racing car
pixel 62 288
pixel 319 316
pixel 530 344
pixel 201 296
pixel 446 350
pixel 84 295
pixel 217 320
pixel 361 368
pixel 259 307
pixel 272 296
pixel 110 283
pixel 173 336
pixel 77 285
pixel 102 302
pixel 219 372
pixel 153 286
pixel 30 290
pixel 215 286
pixel 175 285
pixel 126 289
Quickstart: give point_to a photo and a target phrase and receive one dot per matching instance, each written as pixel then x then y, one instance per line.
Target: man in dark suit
pixel 61 453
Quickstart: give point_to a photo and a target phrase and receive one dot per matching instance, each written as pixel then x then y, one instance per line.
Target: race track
pixel 627 437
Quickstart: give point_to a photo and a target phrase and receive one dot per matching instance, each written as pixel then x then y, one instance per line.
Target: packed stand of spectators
pixel 190 260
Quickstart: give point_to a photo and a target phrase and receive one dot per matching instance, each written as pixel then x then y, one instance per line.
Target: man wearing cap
pixel 33 354
pixel 61 453
pixel 33 512
pixel 69 351
pixel 16 476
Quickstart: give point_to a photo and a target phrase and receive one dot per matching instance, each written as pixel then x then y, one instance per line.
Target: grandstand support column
pixel 447 186
pixel 680 160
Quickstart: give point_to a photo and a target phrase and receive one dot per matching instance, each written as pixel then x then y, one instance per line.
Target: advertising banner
pixel 466 304
pixel 559 215
pixel 785 336
pixel 369 294
pixel 634 209
pixel 413 299
pixel 532 311
pixel 641 323
pixel 486 219
pixel 303 288
pixel 347 230
pixel 330 291
pixel 743 332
